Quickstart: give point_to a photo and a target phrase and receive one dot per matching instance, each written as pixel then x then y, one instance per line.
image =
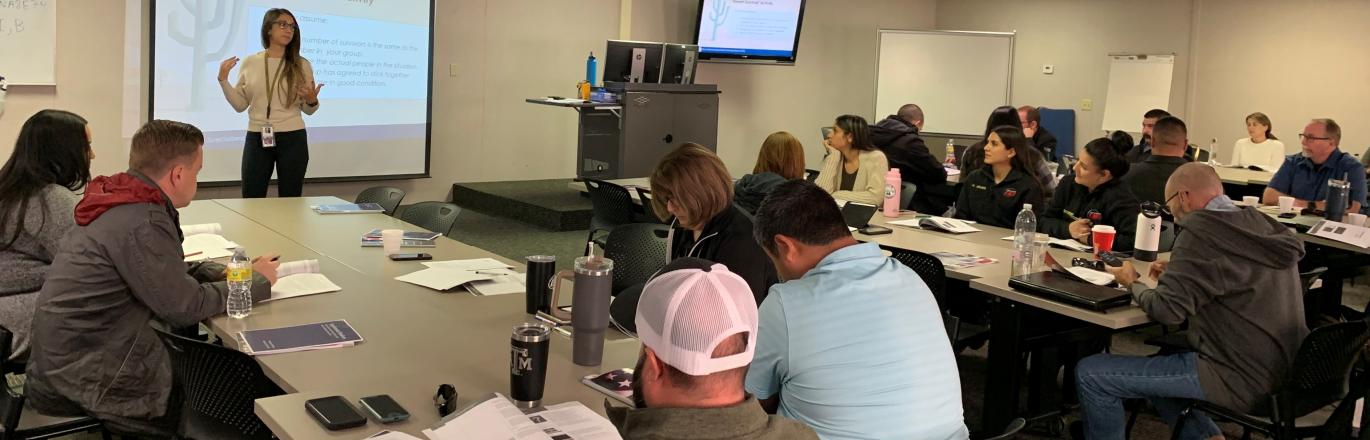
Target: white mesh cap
pixel 689 308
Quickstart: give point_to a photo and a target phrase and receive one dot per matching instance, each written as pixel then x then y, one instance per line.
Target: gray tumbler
pixel 590 309
pixel 1338 192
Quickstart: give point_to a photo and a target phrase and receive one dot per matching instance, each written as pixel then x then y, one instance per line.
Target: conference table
pixel 415 338
pixel 1010 310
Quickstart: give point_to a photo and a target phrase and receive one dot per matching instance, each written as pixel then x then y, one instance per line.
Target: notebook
pixel 316 336
pixel 617 384
pixel 1078 286
pixel 943 224
pixel 349 208
pixel 857 215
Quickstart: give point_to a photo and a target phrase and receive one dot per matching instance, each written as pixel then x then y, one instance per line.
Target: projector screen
pixel 374 59
pixel 749 30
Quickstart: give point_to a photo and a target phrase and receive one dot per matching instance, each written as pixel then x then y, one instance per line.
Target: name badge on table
pixel 268 136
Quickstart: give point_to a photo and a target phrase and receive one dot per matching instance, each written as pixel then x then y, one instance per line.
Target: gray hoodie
pixel 1234 275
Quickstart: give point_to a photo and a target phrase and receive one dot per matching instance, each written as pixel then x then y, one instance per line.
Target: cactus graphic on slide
pixel 718 15
pixel 206 16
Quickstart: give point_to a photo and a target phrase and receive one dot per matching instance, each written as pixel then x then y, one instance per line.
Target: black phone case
pixel 335 421
pixel 868 231
pixel 389 417
pixel 420 257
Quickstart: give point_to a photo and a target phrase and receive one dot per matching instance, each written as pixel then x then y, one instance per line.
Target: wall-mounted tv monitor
pixel 763 31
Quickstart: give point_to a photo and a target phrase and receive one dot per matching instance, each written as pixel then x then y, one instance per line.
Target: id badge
pixel 268 136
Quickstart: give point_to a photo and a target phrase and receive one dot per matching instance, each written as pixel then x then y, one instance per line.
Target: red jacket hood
pixel 106 192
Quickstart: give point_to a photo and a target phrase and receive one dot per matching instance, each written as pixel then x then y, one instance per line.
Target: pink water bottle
pixel 893 183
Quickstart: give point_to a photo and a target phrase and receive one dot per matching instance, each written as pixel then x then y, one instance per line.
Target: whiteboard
pixel 28 41
pixel 1136 84
pixel 958 78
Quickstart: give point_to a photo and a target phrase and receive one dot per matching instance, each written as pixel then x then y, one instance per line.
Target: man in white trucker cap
pixel 697 322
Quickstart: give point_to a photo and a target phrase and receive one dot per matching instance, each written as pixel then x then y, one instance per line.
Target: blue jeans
pixel 1104 380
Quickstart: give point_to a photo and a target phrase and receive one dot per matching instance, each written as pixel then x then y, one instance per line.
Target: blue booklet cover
pixel 314 336
pixel 349 208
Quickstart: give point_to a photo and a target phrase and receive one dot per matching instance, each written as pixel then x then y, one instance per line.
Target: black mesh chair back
pixel 928 267
pixel 433 216
pixel 612 204
pixel 1306 279
pixel 219 385
pixel 388 197
pixel 638 251
pixel 644 196
pixel 34 426
pixel 1321 369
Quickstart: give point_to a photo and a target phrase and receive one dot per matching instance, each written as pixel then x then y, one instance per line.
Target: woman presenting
pixel 274 86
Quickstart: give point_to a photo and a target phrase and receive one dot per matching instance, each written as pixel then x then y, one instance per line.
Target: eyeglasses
pixel 445 399
pixel 1164 208
pixel 1309 137
pixel 285 25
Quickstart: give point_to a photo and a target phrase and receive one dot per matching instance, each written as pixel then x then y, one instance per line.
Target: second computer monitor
pixel 632 62
pixel 678 63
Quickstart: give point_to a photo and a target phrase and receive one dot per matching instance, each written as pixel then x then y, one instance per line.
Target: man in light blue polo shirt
pixel 1304 176
pixel 853 344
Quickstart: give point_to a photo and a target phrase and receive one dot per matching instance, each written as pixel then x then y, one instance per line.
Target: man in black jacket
pixel 1147 178
pixel 1032 128
pixel 1143 149
pixel 897 137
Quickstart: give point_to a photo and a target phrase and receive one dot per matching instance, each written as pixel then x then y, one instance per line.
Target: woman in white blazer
pixel 854 170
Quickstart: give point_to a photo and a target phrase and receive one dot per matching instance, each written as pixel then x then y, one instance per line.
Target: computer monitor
pixel 678 63
pixel 632 62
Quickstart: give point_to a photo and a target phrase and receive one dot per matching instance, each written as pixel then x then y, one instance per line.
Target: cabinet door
pixel 696 119
pixel 648 126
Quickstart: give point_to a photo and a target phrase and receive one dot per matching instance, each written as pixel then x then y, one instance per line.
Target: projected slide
pixel 749 27
pixel 372 57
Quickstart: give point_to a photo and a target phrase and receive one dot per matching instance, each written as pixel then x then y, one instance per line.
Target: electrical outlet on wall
pixel 452 70
pixel 1048 69
pixel 1086 105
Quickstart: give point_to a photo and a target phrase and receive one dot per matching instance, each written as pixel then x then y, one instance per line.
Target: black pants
pixel 289 158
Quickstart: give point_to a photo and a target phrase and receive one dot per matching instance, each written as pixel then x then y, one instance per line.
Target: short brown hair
pixel 732 345
pixel 1333 130
pixel 782 154
pixel 160 144
pixel 1032 114
pixel 696 180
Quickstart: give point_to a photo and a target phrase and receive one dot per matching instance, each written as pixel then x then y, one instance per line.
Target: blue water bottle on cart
pixel 591 65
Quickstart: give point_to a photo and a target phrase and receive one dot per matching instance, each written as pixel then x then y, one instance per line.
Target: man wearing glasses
pixel 1233 275
pixel 1304 176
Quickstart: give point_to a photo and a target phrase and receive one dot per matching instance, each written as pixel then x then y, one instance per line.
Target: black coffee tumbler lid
pixel 531 332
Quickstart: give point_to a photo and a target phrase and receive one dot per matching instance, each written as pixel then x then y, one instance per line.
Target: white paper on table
pixel 1063 243
pixel 205 228
pixel 201 247
pixel 391 435
pixel 468 265
pixel 503 282
pixel 444 279
pixel 498 419
pixel 1345 233
pixel 300 278
pixel 939 223
pixel 1092 276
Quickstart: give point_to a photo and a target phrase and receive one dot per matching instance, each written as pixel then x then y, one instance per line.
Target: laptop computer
pixel 858 215
pixel 1060 288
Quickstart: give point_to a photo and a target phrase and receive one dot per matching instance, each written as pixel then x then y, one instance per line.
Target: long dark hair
pixel 291 69
pixel 1106 155
pixel 860 133
pixel 1025 157
pixel 52 149
pixel 1001 116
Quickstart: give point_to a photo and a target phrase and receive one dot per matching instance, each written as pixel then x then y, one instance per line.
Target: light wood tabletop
pixel 415 338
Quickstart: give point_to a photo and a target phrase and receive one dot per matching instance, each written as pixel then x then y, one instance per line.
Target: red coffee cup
pixel 1103 239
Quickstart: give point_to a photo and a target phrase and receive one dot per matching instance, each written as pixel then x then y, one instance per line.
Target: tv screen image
pixel 749 30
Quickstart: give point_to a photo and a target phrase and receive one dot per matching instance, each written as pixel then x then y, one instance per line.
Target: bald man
pixel 1233 274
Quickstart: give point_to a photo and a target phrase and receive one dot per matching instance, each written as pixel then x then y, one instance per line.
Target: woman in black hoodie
pixel 693 188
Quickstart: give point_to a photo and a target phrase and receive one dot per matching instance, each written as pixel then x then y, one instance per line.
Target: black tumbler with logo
pixel 541 269
pixel 528 363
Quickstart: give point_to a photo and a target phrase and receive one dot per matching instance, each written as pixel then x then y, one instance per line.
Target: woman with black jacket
pixel 995 193
pixel 693 188
pixel 1094 195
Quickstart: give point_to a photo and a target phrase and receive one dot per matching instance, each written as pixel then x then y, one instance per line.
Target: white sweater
pixel 870 177
pixel 1268 155
pixel 250 94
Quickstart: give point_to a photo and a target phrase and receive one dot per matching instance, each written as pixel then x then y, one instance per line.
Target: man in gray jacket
pixel 1233 275
pixel 94 351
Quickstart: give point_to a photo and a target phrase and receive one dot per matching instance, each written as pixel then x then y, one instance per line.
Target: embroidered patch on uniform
pixel 1010 192
pixel 1094 215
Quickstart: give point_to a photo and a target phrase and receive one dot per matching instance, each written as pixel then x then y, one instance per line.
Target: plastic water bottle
pixel 950 161
pixel 239 284
pixel 1024 230
pixel 893 184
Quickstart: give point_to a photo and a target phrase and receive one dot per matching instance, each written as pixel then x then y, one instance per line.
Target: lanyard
pixel 271 91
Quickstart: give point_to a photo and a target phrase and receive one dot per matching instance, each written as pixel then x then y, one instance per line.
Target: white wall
pixel 1076 36
pixel 834 73
pixel 1292 61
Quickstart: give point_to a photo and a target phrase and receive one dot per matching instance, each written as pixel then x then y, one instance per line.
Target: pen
pixel 1070 214
pixel 192 254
